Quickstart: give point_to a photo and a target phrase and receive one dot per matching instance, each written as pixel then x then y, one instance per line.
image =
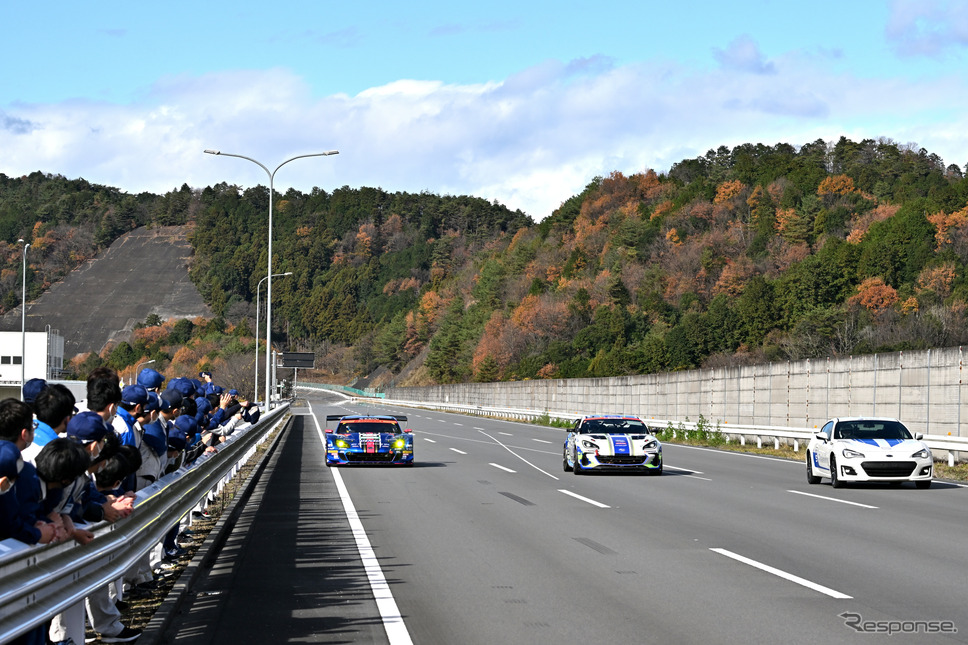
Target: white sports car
pixel 611 442
pixel 868 450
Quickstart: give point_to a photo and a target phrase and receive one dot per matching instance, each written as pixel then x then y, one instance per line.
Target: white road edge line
pixel 584 499
pixel 830 499
pixel 460 452
pixel 392 620
pixel 500 467
pixel 783 574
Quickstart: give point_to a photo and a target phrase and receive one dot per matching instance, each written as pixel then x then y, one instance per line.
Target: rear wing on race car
pixel 337 417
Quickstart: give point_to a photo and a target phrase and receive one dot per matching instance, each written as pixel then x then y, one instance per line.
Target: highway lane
pixel 486 539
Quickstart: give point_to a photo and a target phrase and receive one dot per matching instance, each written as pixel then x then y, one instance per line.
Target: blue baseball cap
pixel 134 394
pixel 10 460
pixel 87 426
pixel 170 399
pixel 32 388
pixel 150 379
pixel 154 402
pixel 177 439
pixel 155 438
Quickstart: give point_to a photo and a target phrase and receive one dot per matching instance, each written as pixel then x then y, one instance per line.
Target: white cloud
pixel 743 54
pixel 930 28
pixel 529 142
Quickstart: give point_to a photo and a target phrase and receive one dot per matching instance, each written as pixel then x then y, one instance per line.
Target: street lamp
pixel 23 321
pixel 272 176
pixel 255 387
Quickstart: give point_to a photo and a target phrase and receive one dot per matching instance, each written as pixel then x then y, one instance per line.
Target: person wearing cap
pixel 53 408
pixel 23 508
pixel 90 430
pixel 133 400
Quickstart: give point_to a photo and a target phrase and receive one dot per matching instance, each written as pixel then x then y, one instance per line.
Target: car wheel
pixel 578 470
pixel 564 464
pixel 811 478
pixel 657 471
pixel 834 479
pixel 926 483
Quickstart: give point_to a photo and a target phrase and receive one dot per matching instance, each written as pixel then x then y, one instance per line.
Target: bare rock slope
pixel 144 272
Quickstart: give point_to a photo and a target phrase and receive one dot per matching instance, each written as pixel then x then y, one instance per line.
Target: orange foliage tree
pixel 875 295
pixel 728 190
pixel 836 185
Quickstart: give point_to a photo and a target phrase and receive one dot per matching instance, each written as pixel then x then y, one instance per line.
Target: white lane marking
pixel 498 442
pixel 499 466
pixel 458 424
pixel 476 428
pixel 392 620
pixel 506 434
pixel 430 440
pixel 584 499
pixel 442 420
pixel 685 470
pixel 783 574
pixel 540 441
pixel 461 452
pixel 830 499
pixel 705 479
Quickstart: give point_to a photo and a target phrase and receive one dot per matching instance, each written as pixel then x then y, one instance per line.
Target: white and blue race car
pixel 611 442
pixel 868 449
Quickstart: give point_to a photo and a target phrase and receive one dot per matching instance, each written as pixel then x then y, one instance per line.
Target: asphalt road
pixel 487 540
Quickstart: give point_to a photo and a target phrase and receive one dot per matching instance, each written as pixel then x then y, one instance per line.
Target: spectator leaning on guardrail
pixel 21 509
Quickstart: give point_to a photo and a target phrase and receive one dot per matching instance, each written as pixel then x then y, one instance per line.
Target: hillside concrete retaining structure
pixel 925 389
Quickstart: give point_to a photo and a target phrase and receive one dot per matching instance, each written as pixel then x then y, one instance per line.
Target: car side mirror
pixel 919 436
pixel 821 435
pixel 408 431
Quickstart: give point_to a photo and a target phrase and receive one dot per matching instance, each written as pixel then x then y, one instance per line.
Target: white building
pixel 44 359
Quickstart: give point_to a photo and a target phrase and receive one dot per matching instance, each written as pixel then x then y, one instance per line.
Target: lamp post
pixel 272 176
pixel 23 321
pixel 255 387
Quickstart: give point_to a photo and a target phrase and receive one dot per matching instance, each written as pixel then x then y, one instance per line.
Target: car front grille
pixel 622 460
pixel 889 468
pixel 370 457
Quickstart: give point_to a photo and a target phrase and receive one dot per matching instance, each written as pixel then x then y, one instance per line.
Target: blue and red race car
pixel 368 439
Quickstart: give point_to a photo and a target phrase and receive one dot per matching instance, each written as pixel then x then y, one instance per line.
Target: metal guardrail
pixel 952 446
pixel 343 389
pixel 38 582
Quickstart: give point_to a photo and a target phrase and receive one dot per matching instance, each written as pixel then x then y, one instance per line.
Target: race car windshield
pixel 861 430
pixel 614 426
pixel 368 426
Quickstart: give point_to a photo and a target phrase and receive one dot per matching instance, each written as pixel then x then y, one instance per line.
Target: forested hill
pixel 748 254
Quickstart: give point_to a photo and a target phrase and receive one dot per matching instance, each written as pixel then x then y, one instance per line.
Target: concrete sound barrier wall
pixel 925 389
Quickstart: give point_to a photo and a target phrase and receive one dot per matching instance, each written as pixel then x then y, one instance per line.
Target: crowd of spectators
pixel 67 465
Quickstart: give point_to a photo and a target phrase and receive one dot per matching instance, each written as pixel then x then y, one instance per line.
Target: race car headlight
pixel 590 445
pixel 342 443
pixel 652 445
pixel 852 454
pixel 924 453
pixel 398 444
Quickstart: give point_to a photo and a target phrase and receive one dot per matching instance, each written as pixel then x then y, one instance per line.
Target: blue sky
pixel 519 102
